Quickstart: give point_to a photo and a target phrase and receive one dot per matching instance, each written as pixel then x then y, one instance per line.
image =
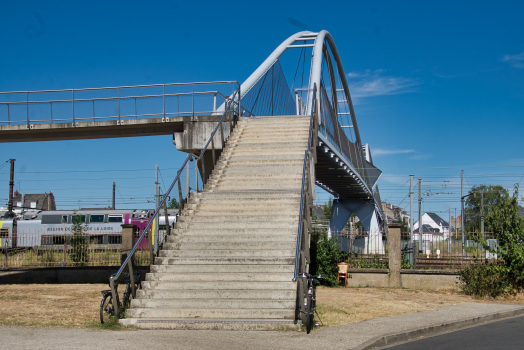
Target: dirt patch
pixel 338 306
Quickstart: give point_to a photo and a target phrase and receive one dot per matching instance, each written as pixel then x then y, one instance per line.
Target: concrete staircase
pixel 229 263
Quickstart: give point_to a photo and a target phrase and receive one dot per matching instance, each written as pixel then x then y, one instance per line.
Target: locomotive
pixel 52 228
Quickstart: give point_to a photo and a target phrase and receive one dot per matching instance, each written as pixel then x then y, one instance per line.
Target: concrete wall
pixel 59 275
pixel 412 279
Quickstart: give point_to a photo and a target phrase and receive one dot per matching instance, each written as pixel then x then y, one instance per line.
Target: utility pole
pixel 11 185
pixel 411 208
pixel 114 187
pixel 482 212
pixel 157 203
pixel 449 237
pixel 462 209
pixel 420 214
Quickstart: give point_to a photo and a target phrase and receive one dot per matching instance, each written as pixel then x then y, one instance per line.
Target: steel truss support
pixel 368 216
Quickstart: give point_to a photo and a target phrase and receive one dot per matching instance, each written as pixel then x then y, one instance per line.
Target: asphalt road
pixel 500 335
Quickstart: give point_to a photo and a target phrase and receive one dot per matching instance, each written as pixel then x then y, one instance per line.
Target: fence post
pixel 395 257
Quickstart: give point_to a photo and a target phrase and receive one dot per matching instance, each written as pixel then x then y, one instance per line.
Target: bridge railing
pixel 332 130
pixel 114 103
pixel 232 110
pixel 302 253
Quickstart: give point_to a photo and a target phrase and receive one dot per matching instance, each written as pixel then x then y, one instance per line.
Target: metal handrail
pixel 304 170
pixel 117 97
pixel 116 275
pixel 122 87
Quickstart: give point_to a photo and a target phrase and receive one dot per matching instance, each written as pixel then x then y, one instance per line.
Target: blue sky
pixel 438 86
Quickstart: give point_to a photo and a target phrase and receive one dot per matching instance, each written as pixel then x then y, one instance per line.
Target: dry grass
pixel 51 305
pixel 77 305
pixel 339 306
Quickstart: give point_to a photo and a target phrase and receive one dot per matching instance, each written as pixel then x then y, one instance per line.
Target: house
pixel 433 228
pixel 44 201
pixel 392 213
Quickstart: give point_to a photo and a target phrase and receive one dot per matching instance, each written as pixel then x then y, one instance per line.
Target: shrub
pixel 485 280
pixel 325 256
pixel 508 274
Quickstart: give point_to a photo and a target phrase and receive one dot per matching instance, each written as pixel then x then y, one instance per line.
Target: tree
pixel 403 224
pixel 327 209
pixel 79 241
pixel 173 204
pixel 493 197
pixel 506 275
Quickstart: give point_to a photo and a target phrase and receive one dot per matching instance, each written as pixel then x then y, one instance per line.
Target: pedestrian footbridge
pixel 240 244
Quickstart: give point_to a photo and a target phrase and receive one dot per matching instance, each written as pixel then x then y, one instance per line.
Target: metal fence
pixel 114 103
pixel 41 249
pixel 437 250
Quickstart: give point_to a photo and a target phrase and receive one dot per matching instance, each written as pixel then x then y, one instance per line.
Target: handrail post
pixel 215 102
pixel 239 101
pixel 180 197
pixel 213 148
pixel 27 108
pixel 118 106
pixel 131 277
pixel 93 110
pixel 115 296
pixel 9 115
pixel 164 99
pixel 187 176
pixel 193 104
pixel 74 121
pixel 196 175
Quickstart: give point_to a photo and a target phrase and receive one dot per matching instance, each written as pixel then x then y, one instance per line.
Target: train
pixel 52 228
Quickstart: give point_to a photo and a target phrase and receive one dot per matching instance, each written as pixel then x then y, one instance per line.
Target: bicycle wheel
pixel 309 314
pixel 107 309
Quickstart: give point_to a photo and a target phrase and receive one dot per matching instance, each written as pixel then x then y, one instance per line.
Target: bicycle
pixel 107 306
pixel 311 303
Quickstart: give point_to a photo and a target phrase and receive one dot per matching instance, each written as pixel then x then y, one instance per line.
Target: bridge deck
pixel 97 129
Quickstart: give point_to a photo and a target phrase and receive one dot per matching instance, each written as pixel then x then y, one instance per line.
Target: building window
pixel 33 205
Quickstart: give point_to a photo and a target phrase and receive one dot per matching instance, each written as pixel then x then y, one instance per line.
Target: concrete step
pixel 226 261
pixel 232 232
pixel 205 276
pixel 212 324
pixel 227 253
pixel 218 285
pixel 246 225
pixel 207 211
pixel 244 238
pixel 266 294
pixel 213 303
pixel 287 169
pixel 228 244
pixel 211 313
pixel 247 195
pixel 220 269
pixel 243 177
pixel 247 218
pixel 234 159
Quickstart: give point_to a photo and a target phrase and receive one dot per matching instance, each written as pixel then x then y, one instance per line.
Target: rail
pixel 114 103
pixel 303 200
pixel 230 107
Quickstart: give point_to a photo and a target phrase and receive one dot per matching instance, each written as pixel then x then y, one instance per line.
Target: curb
pixel 393 338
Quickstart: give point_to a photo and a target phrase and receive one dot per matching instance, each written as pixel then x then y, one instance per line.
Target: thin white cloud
pixel 516 61
pixel 419 156
pixel 388 152
pixel 374 83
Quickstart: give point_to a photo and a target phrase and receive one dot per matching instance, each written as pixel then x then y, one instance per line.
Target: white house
pixel 433 228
